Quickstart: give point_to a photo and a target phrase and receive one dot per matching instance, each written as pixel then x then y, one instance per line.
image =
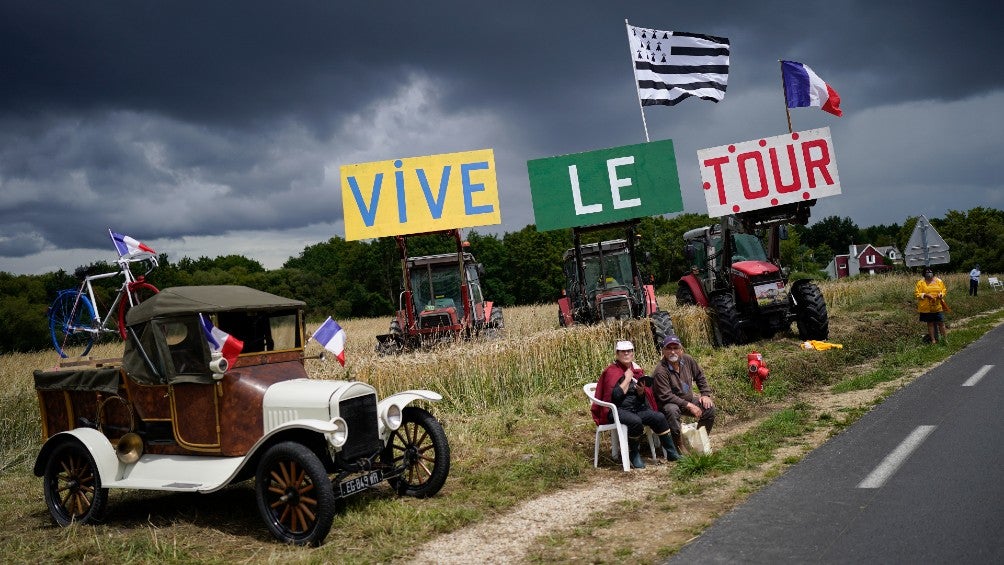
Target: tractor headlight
pixel 337 438
pixel 393 417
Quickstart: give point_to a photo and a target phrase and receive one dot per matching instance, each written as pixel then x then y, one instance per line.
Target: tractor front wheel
pixel 685 296
pixel 662 326
pixel 726 320
pixel 810 310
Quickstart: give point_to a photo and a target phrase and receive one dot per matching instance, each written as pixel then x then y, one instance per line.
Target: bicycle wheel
pixel 71 310
pixel 139 291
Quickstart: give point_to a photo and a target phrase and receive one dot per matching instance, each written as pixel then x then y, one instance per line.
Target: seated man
pixel 674 380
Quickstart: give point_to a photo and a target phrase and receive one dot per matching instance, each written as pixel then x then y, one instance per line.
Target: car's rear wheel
pixel 420 445
pixel 294 494
pixel 72 486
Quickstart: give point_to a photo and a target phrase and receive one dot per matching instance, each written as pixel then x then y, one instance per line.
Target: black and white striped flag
pixel 673 65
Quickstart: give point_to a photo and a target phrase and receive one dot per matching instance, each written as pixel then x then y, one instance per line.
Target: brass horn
pixel 129 448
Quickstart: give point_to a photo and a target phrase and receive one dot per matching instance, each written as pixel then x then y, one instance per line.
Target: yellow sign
pixel 420 194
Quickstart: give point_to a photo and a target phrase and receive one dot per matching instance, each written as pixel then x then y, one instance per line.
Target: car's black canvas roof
pixel 205 300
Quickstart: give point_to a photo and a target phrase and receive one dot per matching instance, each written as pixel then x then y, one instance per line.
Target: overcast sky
pixel 214 128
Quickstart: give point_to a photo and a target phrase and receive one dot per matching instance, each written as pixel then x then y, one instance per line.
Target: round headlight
pixel 393 417
pixel 337 438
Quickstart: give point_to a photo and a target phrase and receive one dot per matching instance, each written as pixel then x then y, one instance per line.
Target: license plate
pixel 360 483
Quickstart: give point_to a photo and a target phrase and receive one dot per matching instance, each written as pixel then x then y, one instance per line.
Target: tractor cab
pixel 607 280
pixel 436 283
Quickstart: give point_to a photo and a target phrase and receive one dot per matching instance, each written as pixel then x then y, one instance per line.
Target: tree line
pixel 347 279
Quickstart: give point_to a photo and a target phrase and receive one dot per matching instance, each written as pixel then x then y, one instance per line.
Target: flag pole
pixel 787 111
pixel 641 108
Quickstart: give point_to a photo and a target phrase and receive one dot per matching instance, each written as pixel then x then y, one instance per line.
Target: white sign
pixel 767 172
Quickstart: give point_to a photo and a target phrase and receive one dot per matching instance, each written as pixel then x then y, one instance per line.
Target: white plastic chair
pixel 618 432
pixel 996 284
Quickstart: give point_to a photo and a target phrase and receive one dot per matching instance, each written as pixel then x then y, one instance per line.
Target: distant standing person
pixel 680 388
pixel 930 293
pixel 974 280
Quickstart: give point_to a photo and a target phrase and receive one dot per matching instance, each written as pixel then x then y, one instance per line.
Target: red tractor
pixel 602 282
pixel 743 284
pixel 441 300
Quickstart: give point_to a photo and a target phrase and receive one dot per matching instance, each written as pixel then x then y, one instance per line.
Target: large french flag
pixel 802 88
pixel 127 246
pixel 227 345
pixel 332 337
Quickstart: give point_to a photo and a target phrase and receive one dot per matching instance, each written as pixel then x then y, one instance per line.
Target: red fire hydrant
pixel 758 370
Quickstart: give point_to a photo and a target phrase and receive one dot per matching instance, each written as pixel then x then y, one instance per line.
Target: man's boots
pixel 633 453
pixel 678 442
pixel 667 443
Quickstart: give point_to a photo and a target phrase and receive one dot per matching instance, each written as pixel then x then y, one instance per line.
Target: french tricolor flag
pixel 332 337
pixel 802 88
pixel 126 245
pixel 220 341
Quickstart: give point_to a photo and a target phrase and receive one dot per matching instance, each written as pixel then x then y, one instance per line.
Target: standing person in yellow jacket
pixel 930 293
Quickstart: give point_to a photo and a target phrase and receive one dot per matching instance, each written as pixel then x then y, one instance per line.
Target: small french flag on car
pixel 332 337
pixel 220 341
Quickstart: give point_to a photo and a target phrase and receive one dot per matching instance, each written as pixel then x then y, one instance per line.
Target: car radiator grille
pixel 360 413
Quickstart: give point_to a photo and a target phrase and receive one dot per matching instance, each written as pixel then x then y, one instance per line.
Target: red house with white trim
pixel 863 259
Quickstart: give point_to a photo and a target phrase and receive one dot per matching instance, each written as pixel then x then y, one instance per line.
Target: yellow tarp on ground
pixel 821 345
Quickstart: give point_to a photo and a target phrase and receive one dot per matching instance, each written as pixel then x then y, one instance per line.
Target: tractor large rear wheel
pixel 810 310
pixel 726 320
pixel 662 326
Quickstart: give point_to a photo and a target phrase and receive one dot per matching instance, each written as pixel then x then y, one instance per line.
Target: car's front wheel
pixel 420 446
pixel 294 493
pixel 72 486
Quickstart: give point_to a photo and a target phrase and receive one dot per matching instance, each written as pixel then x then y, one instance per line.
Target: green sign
pixel 605 186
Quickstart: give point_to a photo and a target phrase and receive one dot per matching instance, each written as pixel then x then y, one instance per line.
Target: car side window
pixel 185 346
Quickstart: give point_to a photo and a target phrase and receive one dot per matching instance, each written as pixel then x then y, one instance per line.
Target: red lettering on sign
pixel 820 163
pixel 719 181
pixel 743 175
pixel 796 179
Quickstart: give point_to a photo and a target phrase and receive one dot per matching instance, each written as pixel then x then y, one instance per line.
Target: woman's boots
pixel 670 446
pixel 634 454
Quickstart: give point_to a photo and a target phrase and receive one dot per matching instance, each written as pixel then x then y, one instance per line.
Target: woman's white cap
pixel 623 346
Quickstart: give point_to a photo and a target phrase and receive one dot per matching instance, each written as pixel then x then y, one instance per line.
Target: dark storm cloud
pixel 175 119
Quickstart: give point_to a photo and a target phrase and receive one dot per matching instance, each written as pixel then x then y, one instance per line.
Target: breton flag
pixel 673 65
pixel 129 247
pixel 802 88
pixel 220 341
pixel 332 337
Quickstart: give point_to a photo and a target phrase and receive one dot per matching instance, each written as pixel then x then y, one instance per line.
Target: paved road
pixel 919 479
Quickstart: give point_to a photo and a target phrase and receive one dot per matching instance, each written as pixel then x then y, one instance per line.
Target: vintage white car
pixel 171 415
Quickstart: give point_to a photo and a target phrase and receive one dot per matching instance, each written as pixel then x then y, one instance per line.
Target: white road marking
pixel 977 376
pixel 892 462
